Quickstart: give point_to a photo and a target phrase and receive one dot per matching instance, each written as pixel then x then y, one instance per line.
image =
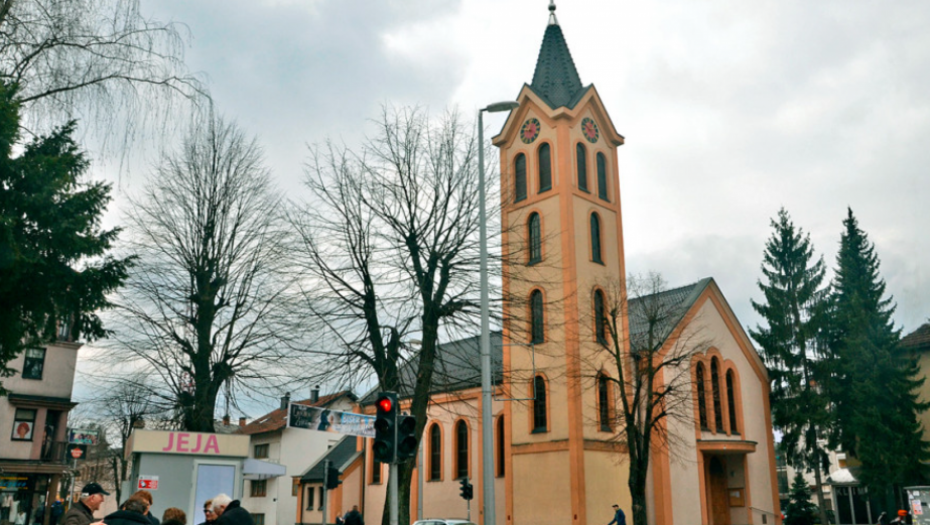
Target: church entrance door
pixel 717 483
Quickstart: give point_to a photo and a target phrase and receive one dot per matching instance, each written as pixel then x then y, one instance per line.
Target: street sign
pixel 325 420
pixel 148 483
pixel 76 451
pixel 82 437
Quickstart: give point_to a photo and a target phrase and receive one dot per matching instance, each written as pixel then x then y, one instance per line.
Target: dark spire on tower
pixel 555 79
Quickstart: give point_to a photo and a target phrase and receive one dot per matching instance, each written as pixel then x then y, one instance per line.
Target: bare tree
pixel 652 371
pixel 101 60
pixel 207 306
pixel 389 252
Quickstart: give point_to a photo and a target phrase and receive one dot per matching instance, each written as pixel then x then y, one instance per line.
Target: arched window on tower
pixel 600 322
pixel 435 453
pixel 500 447
pixel 581 163
pixel 545 167
pixel 596 239
pixel 602 176
pixel 461 450
pixel 701 395
pixel 537 328
pixel 715 385
pixel 519 169
pixel 731 402
pixel 603 402
pixel 540 423
pixel 535 238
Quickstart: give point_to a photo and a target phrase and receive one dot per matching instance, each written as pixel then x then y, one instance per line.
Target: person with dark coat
pixel 229 512
pixel 132 513
pixel 82 512
pixel 619 517
pixel 354 517
pixel 208 514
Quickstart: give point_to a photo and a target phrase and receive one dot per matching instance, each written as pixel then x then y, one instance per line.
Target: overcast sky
pixel 730 109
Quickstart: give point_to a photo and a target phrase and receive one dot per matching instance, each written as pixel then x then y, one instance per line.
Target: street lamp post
pixel 487 436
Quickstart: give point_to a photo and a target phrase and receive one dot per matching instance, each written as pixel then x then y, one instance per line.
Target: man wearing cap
pixel 619 518
pixel 82 512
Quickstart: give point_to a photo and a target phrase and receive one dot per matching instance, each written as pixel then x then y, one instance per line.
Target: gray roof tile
pixel 555 79
pixel 662 311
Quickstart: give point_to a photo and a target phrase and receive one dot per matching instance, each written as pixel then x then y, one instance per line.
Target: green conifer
pixel 800 510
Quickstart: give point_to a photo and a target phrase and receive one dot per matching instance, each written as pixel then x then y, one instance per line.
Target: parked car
pixel 443 521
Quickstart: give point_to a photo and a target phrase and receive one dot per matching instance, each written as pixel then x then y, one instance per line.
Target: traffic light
pixel 332 476
pixel 407 440
pixel 385 445
pixel 467 489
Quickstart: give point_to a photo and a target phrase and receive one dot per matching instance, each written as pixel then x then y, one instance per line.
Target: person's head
pixel 175 514
pixel 208 510
pixel 92 495
pixel 220 503
pixel 355 508
pixel 616 507
pixel 145 496
pixel 137 505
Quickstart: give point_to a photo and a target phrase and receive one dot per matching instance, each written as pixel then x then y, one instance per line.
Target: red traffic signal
pixel 385 404
pixel 385 445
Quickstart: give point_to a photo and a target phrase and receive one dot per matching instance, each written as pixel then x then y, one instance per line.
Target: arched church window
pixel 600 323
pixel 435 452
pixel 603 402
pixel 701 395
pixel 581 164
pixel 731 402
pixel 596 239
pixel 500 446
pixel 545 167
pixel 537 329
pixel 715 385
pixel 539 405
pixel 535 237
pixel 461 449
pixel 602 176
pixel 519 168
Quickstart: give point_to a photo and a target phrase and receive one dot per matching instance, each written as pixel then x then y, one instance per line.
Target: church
pixel 557 457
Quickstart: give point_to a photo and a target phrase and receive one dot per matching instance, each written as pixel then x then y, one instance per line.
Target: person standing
pixel 82 512
pixel 132 512
pixel 619 517
pixel 229 512
pixel 354 517
pixel 209 516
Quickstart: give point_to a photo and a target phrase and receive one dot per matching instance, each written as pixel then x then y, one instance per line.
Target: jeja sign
pixel 197 443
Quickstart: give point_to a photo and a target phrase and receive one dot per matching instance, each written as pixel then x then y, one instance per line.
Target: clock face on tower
pixel 529 131
pixel 589 129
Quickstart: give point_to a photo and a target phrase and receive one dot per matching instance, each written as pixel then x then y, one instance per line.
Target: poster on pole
pixel 82 437
pixel 325 420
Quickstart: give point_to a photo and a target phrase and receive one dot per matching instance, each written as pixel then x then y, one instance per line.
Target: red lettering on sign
pixel 182 442
pixel 211 443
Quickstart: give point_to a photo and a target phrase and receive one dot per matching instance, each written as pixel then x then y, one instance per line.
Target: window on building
pixel 500 447
pixel 24 421
pixel 602 176
pixel 461 450
pixel 258 519
pixel 600 321
pixel 701 395
pixel 261 451
pixel 603 402
pixel 715 386
pixel 539 405
pixel 320 504
pixel 581 164
pixel 295 487
pixel 545 168
pixel 519 168
pixel 596 239
pixel 34 363
pixel 535 237
pixel 259 488
pixel 376 471
pixel 435 453
pixel 537 329
pixel 731 402
pixel 310 492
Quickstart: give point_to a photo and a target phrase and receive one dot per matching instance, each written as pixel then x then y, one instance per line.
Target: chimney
pixel 285 400
pixel 226 420
pixel 242 421
pixel 315 394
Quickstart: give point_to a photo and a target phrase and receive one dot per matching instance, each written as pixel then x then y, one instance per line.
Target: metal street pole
pixel 392 489
pixel 487 436
pixel 325 490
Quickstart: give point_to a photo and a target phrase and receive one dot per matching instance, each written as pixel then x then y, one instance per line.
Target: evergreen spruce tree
pixel 794 312
pixel 55 269
pixel 800 510
pixel 874 382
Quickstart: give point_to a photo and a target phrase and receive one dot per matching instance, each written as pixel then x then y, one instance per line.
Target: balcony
pixel 54 452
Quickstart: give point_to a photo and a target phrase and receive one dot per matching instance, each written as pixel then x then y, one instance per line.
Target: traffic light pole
pixel 392 492
pixel 325 489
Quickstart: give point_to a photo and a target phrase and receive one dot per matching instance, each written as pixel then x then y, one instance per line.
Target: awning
pixel 255 469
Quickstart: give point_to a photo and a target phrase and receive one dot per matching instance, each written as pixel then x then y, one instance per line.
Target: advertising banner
pixel 324 420
pixel 82 437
